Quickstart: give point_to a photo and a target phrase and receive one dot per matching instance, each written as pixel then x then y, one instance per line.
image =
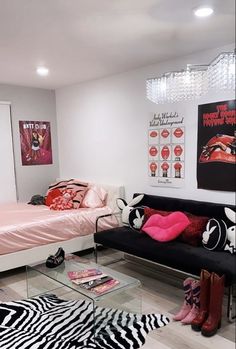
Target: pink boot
pixel 196 304
pixel 187 306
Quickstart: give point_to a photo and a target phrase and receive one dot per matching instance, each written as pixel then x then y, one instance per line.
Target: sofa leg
pixel 230 316
pixel 96 253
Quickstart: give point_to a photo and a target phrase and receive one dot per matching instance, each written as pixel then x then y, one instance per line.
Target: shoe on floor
pixel 54 260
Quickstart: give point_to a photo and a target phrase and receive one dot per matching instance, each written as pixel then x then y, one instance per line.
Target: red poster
pixel 216 168
pixel 35 140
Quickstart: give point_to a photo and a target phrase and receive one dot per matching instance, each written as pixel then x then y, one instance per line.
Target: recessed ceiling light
pixel 203 11
pixel 43 71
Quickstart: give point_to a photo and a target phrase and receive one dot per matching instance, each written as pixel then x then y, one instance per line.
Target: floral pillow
pixel 51 195
pixel 64 201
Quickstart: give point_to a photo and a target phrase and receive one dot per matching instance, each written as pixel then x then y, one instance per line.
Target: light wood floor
pixel 161 293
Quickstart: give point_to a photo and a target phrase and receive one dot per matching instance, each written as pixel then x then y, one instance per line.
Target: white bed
pixel 36 239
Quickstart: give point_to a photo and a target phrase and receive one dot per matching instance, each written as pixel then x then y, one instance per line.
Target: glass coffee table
pixel 125 296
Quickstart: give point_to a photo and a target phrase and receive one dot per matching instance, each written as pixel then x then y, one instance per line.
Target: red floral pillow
pixel 51 195
pixel 64 201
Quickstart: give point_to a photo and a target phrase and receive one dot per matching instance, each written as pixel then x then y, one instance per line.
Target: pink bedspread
pixel 24 226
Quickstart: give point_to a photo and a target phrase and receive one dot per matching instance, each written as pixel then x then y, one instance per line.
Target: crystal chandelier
pixel 193 82
pixel 221 72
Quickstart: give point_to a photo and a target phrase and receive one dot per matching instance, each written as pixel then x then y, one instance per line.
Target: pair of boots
pixel 202 307
pixel 208 320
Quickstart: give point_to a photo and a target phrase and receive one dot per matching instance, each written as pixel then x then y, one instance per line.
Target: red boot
pixel 205 282
pixel 213 322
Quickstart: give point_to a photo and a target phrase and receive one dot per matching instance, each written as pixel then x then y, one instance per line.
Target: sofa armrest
pixel 116 214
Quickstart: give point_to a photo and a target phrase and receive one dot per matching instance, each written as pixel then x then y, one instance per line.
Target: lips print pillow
pixel 166 228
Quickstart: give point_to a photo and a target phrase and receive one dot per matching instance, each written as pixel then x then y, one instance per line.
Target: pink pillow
pixel 166 228
pixel 94 197
pixel 60 185
pixel 79 188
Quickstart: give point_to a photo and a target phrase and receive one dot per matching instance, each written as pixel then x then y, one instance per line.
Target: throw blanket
pixel 47 322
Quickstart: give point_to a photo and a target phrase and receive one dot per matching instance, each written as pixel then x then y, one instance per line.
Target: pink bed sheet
pixel 24 226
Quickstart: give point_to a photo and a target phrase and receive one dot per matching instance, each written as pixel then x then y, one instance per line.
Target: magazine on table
pixel 105 287
pixel 93 283
pixel 93 280
pixel 87 279
pixel 83 273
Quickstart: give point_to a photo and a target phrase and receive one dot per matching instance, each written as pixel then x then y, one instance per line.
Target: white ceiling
pixel 80 40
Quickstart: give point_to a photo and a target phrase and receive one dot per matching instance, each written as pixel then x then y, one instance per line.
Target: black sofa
pixel 175 254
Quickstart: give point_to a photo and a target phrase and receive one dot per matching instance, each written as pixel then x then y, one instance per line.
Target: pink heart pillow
pixel 166 228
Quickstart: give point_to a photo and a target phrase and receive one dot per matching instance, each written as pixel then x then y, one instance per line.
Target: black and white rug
pixel 47 322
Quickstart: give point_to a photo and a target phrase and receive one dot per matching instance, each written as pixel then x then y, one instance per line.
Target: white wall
pixel 31 104
pixel 102 130
pixel 7 176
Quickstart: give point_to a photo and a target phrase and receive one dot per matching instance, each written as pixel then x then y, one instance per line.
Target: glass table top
pixel 59 274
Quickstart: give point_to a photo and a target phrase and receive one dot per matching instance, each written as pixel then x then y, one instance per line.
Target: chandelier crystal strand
pixel 221 72
pixel 193 82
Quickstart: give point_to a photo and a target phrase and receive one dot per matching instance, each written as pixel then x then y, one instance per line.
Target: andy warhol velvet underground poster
pixel 166 149
pixel 216 156
pixel 35 140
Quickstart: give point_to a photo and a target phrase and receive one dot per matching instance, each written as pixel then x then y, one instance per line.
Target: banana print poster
pixel 217 146
pixel 166 149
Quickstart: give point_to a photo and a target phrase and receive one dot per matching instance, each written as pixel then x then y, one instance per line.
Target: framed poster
pixel 35 141
pixel 216 146
pixel 166 149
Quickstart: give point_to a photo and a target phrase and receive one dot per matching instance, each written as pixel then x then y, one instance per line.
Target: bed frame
pixel 36 254
pixel 40 253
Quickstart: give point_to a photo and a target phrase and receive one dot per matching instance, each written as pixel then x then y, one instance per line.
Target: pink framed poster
pixel 35 141
pixel 166 149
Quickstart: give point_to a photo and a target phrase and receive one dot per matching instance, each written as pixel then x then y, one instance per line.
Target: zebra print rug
pixel 47 322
